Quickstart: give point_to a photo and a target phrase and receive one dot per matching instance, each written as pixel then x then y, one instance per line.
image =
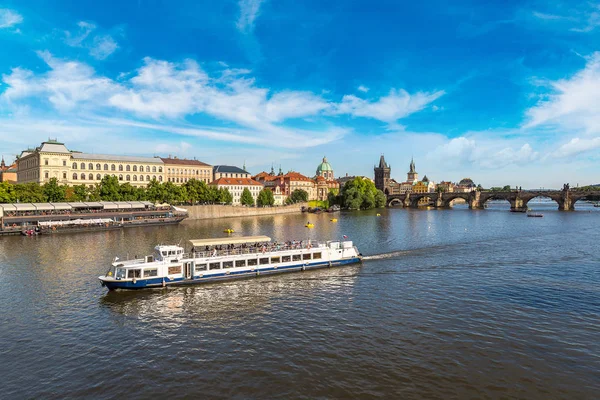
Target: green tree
pixel 246 199
pixel 80 193
pixel 53 192
pixel 362 194
pixel 110 189
pixel 265 198
pixel 224 196
pixel 297 196
pixel 197 191
pixel 506 188
pixel 29 193
pixel 7 193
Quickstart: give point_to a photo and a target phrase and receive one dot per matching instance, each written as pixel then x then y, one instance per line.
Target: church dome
pixel 468 182
pixel 324 166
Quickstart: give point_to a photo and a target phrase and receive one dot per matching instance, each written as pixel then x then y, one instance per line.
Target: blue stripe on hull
pixel 158 282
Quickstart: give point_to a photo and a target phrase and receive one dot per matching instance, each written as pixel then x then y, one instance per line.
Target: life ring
pixel 134 281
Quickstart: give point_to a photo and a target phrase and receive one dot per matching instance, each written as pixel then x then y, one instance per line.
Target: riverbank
pixel 221 211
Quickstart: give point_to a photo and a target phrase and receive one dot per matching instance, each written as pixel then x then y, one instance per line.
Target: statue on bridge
pixel 565 187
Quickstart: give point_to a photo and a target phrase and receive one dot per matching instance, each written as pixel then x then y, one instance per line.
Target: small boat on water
pixel 309 225
pixel 229 231
pixel 225 259
pixel 534 214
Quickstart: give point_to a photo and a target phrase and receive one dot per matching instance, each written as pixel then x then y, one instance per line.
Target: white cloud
pixel 249 10
pixel 583 18
pixel 9 18
pixel 363 88
pixel 577 146
pixel 103 47
pixel 160 89
pixel 574 103
pixel 99 46
pixel 398 104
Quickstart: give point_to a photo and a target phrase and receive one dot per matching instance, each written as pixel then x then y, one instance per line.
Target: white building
pixel 236 186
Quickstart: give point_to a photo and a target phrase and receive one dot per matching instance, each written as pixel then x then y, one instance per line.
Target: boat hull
pixel 222 275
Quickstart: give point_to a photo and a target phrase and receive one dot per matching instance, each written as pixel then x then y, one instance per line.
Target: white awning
pixel 78 204
pixel 123 205
pixel 137 205
pixel 180 209
pixel 25 207
pixel 43 206
pixel 93 204
pixel 229 240
pixel 8 207
pixel 110 206
pixel 62 206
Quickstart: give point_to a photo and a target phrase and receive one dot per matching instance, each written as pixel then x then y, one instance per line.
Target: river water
pixel 448 304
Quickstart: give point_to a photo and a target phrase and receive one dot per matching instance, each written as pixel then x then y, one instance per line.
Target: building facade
pixel 236 186
pixel 8 173
pixel 52 159
pixel 229 171
pixel 181 170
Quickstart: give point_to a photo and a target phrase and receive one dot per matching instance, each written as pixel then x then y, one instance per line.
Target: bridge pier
pixel 518 205
pixel 475 201
pixel 406 201
pixel 439 201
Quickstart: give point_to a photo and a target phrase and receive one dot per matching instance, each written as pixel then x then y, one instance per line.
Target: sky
pixel 503 92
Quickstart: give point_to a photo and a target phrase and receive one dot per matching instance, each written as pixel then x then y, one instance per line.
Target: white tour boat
pixel 226 258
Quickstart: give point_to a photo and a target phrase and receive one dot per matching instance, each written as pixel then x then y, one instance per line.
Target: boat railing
pixel 305 245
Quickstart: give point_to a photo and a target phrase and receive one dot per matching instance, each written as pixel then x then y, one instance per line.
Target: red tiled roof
pixel 236 181
pixel 183 161
pixel 296 176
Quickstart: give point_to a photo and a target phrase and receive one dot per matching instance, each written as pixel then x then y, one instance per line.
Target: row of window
pixel 113 167
pixel 176 269
pixel 183 180
pixel 258 261
pixel 90 177
pixel 189 171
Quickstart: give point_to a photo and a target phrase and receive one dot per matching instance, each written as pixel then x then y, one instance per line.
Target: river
pixel 448 304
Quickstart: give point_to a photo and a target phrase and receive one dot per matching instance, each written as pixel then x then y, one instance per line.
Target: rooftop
pixel 183 161
pixel 228 169
pixel 109 157
pixel 236 181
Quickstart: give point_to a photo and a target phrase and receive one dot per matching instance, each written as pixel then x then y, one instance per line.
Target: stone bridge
pixel 518 199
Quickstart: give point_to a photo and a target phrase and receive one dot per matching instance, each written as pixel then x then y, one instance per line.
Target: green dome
pixel 324 166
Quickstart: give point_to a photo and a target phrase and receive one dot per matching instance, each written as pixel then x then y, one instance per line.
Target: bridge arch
pixel 395 201
pixel 416 197
pixel 508 197
pixel 447 199
pixel 556 198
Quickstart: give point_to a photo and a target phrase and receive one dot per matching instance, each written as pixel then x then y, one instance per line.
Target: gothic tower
pixel 412 175
pixel 382 175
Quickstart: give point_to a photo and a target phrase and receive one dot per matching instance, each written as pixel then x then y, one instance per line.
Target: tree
pixel 53 192
pixel 362 194
pixel 299 195
pixel 225 196
pixel 80 193
pixel 265 198
pixel 246 199
pixel 197 191
pixel 7 193
pixel 109 189
pixel 506 188
pixel 28 193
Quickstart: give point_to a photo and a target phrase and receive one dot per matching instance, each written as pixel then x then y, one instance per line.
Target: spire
pixel 272 170
pixel 2 164
pixel 412 165
pixel 280 171
pixel 244 167
pixel 382 163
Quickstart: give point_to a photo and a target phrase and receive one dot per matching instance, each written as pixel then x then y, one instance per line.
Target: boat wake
pixel 392 254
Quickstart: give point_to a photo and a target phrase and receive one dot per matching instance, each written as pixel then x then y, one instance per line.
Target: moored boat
pixel 534 214
pixel 226 258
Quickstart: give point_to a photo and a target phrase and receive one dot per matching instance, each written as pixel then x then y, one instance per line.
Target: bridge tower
pixel 382 175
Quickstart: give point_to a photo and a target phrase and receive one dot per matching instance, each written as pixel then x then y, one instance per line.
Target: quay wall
pixel 220 211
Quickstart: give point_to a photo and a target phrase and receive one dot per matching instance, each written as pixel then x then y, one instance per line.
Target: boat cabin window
pixel 171 252
pixel 175 270
pixel 316 256
pixel 296 257
pixel 286 258
pixel 264 261
pixel 165 253
pixel 120 273
pixel 252 262
pixel 275 260
pixel 227 264
pixel 240 263
pixel 215 265
pixel 200 267
pixel 134 273
pixel 148 272
pixel 306 256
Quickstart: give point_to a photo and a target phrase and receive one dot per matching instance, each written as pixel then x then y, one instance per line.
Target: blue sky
pixel 503 92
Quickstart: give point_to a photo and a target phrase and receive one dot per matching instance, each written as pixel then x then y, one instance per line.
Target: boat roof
pixel 229 240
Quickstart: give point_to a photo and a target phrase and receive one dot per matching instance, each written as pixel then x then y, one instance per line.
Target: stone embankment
pixel 219 211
